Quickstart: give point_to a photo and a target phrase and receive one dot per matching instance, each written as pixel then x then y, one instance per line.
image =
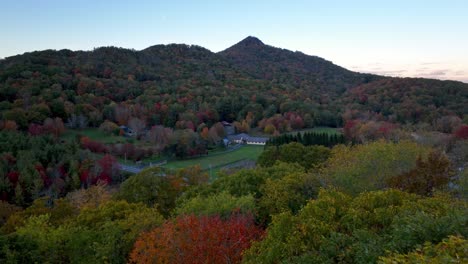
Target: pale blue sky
pixel 400 38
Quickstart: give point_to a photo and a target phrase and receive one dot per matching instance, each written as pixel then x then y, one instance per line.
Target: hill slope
pixel 164 84
pixel 295 68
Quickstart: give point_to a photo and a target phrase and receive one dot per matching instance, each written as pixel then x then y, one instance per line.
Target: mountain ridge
pixel 249 41
pixel 249 76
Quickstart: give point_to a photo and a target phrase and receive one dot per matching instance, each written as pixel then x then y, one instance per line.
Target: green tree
pixel 151 187
pixel 310 157
pixel 59 212
pixel 359 168
pixel 429 175
pixel 222 204
pixel 288 193
pixel 463 184
pixel 125 221
pixel 102 234
pixel 337 228
pixel 6 210
pixel 450 250
pixel 160 188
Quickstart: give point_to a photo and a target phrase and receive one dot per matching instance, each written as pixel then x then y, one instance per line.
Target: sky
pixel 411 38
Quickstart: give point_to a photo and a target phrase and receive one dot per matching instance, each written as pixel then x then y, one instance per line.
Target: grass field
pixel 94 134
pixel 219 160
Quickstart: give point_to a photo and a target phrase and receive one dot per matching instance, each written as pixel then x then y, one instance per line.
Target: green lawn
pixel 94 134
pixel 219 160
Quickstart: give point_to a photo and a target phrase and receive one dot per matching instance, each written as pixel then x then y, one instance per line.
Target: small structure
pixel 244 138
pixel 128 132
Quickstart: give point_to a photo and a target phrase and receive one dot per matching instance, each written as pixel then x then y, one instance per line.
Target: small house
pixel 126 131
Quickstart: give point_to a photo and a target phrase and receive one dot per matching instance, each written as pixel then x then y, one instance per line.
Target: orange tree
pixel 192 239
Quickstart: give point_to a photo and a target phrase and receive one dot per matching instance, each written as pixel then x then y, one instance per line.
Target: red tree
pixel 462 132
pixel 93 146
pixel 35 129
pixel 349 129
pixel 42 171
pixel 13 176
pixel 204 133
pixel 109 168
pixel 191 239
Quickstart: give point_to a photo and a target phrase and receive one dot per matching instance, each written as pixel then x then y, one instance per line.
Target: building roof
pixel 246 137
pixel 258 139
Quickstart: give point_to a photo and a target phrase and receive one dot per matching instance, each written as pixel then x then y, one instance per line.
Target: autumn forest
pixel 353 167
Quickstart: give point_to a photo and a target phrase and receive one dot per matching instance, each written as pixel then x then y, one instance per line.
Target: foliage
pixel 159 136
pixel 17 249
pixel 462 132
pixel 364 131
pixel 282 187
pixel 191 239
pixel 189 86
pixel 130 219
pixel 102 234
pixel 367 167
pixel 185 143
pixel 451 250
pixel 109 169
pixel 429 175
pixel 6 210
pixel 59 211
pixel 91 197
pixel 109 127
pixel 310 157
pixel 245 182
pixel 308 138
pixel 463 184
pixel 222 204
pixel 160 188
pixel 410 100
pixel 34 166
pixel 338 228
pixel 288 193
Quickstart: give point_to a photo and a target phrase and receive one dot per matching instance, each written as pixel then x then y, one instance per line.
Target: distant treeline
pixel 308 139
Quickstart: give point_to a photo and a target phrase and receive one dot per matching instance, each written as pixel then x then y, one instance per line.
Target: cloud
pixel 432 70
pixel 388 72
pixel 438 72
pixel 430 63
pixel 423 69
pixel 434 73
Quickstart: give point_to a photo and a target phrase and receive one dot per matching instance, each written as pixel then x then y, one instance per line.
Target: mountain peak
pixel 251 41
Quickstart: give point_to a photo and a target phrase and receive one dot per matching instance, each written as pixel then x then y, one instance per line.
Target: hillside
pixel 410 99
pixel 123 156
pixel 164 84
pixel 293 68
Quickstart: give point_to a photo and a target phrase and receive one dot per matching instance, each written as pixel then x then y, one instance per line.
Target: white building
pixel 246 139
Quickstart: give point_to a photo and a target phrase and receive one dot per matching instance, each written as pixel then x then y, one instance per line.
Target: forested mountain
pixel 166 84
pixel 297 69
pixel 390 186
pixel 410 99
